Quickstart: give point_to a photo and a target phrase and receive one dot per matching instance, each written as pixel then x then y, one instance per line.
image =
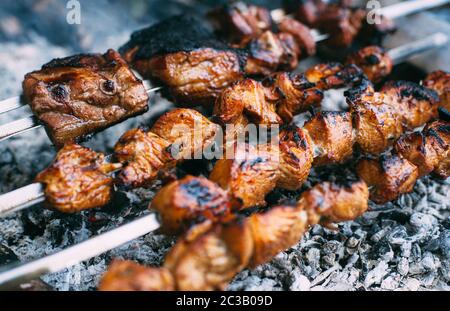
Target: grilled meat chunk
pixel 125 275
pixel 184 55
pixel 208 258
pixel 332 136
pixel 389 177
pixel 301 33
pixel 342 24
pixel 247 97
pixel 381 117
pixel 188 201
pixel 249 175
pixel 296 157
pixel 188 132
pixel 309 11
pixel 293 94
pixel 429 150
pixel 270 52
pixel 144 155
pixel 328 203
pixel 77 179
pixel 334 75
pixel 240 22
pixel 82 94
pixel 274 231
pixel 374 62
pixel 439 81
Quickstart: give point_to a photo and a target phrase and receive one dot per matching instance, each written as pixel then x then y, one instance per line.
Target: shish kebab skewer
pixel 377 121
pixel 397 55
pixel 117 237
pixel 392 11
pixel 29 123
pixel 261 236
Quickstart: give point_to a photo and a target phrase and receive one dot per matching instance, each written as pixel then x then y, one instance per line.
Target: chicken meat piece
pixel 341 24
pixel 429 150
pixel 388 177
pixel 79 95
pixel 274 231
pixel 374 61
pixel 77 180
pixel 327 76
pixel 144 156
pixel 125 275
pixel 292 93
pixel 240 22
pixel 439 81
pixel 270 52
pixel 309 11
pixel 185 56
pixel 188 132
pixel 332 135
pixel 330 202
pixel 208 258
pixel 381 117
pixel 416 104
pixel 249 174
pixel 190 200
pixel 247 97
pixel 301 33
pixel 296 157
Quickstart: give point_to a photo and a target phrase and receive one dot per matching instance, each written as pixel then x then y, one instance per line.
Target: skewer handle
pixel 406 51
pixel 409 7
pixel 14 276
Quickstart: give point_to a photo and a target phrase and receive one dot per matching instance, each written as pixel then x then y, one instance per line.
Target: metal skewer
pixel 398 55
pixel 15 275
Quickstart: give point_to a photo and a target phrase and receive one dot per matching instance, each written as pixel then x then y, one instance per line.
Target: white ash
pixel 403 245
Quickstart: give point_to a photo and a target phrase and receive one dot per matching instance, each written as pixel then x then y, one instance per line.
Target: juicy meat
pixel 332 136
pixel 334 75
pixel 249 175
pixel 296 157
pixel 186 57
pixel 188 132
pixel 177 135
pixel 210 255
pixel 82 94
pixel 389 177
pixel 144 154
pixel 270 52
pixel 247 97
pixel 77 179
pixel 274 231
pixel 301 33
pixel 439 81
pixel 374 61
pixel 208 258
pixel 342 24
pixel 381 117
pixel 293 94
pixel 328 203
pixel 188 201
pixel 309 11
pixel 240 22
pixel 429 149
pixel 125 275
